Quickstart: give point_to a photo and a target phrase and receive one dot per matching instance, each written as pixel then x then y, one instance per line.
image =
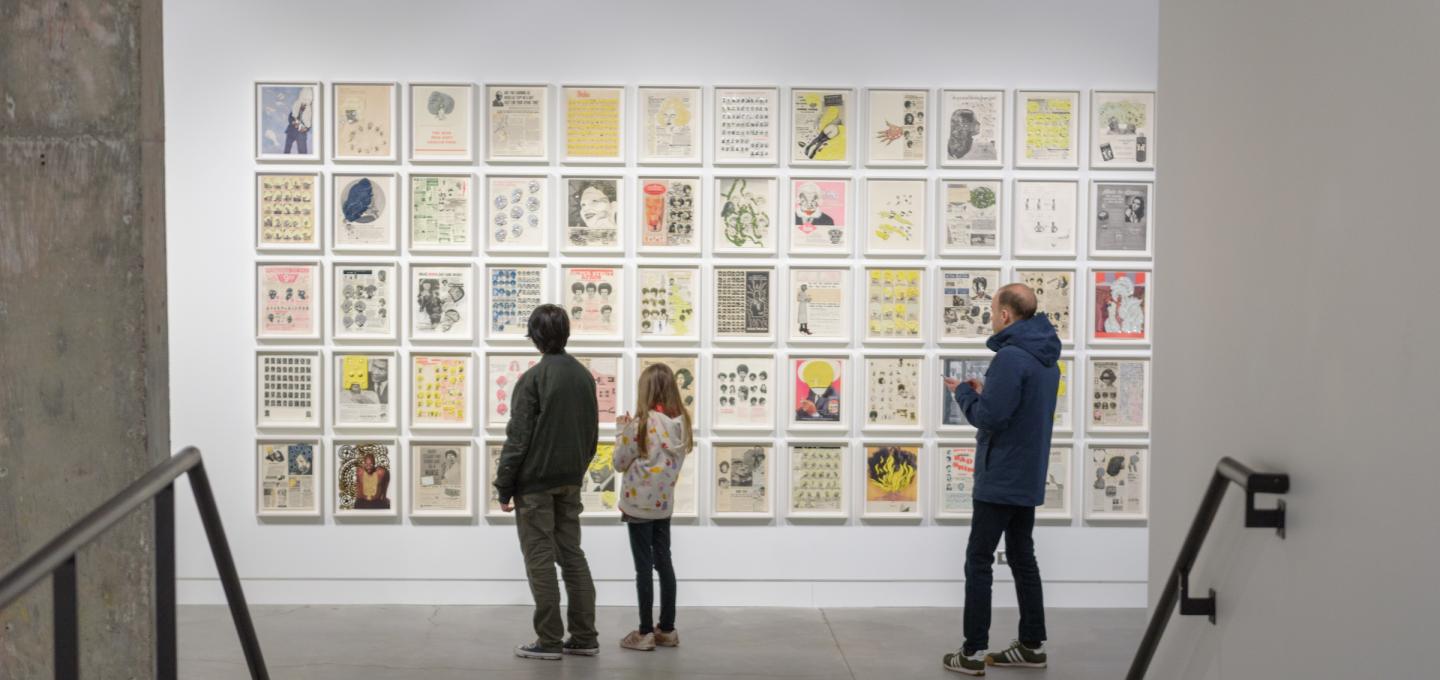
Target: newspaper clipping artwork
pixel 819 120
pixel 667 302
pixel 1048 128
pixel 599 491
pixel 440 211
pixel 894 303
pixel 957 485
pixel 364 303
pixel 363 476
pixel 897 126
pixel 744 392
pixel 892 480
pixel 893 391
pixel 364 395
pixel 594 127
pixel 1064 419
pixel 364 211
pixel 962 369
pixel 606 372
pixel 1057 484
pixel 503 371
pixel 364 121
pixel 287 477
pixel 289 390
pixel 972 216
pixel 440 121
pixel 593 300
pixel 821 221
pixel 671 122
pixel 1118 387
pixel 670 209
pixel 819 298
pixel 441 390
pixel 517 213
pixel 745 217
pixel 742 479
pixel 1121 128
pixel 287 300
pixel 817 479
pixel 819 385
pixel 1117 478
pixel 593 218
pixel 896 214
pixel 517 121
pixel 1054 292
pixel 966 295
pixel 1122 217
pixel 289 210
pixel 1120 301
pixel 286 121
pixel 742 302
pixel 687 373
pixel 747 125
pixel 1045 217
pixel 974 127
pixel 514 293
pixel 441 471
pixel 442 307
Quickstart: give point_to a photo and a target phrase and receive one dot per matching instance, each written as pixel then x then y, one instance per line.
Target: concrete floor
pixel 445 643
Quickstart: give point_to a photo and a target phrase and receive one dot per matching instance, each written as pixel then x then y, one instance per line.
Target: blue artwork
pixel 287 120
pixel 362 202
pixel 302 459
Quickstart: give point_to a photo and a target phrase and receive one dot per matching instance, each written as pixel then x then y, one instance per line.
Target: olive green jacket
pixel 553 429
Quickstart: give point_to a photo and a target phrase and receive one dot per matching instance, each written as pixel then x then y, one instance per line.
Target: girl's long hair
pixel 658 388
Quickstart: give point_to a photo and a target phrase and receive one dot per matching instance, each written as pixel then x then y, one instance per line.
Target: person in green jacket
pixel 549 442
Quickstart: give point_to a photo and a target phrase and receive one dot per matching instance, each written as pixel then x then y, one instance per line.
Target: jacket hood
pixel 675 427
pixel 1035 335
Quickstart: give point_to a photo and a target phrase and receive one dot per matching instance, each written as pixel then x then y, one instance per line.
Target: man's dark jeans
pixel 650 546
pixel 986 526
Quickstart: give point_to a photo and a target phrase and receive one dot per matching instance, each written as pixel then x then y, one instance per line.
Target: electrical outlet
pixel 1000 558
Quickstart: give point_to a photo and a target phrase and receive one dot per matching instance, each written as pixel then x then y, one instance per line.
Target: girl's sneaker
pixel 642 642
pixel 1018 655
pixel 664 639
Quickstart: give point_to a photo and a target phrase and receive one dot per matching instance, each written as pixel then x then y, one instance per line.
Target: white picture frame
pixel 366 305
pixel 295 465
pixel 503 128
pixel 280 212
pixel 423 475
pixel 822 119
pixel 822 219
pixel 667 111
pixel 599 316
pixel 1136 453
pixel 362 389
pixel 435 313
pixel 897 216
pixel 615 384
pixel 738 139
pixel 1122 212
pixel 827 416
pixel 502 371
pixel 1052 284
pixel 364 218
pixel 517 213
pixel 1112 319
pixel 437 381
pixel 963 302
pixel 888 290
pixel 436 136
pixel 744 391
pixel 954 480
pixel 723 318
pixel 1047 137
pixel 1127 142
pixel 365 116
pixel 510 297
pixel 662 315
pixel 970 217
pixel 898 126
pixel 279 289
pixel 669 215
pixel 1059 479
pixel 604 138
pixel 829 298
pixel 827 480
pixel 356 448
pixel 276 110
pixel 881 502
pixel 885 390
pixel 445 223
pixel 1102 372
pixel 592 211
pixel 743 218
pixel 1045 218
pixel 288 390
pixel 730 461
pixel 974 140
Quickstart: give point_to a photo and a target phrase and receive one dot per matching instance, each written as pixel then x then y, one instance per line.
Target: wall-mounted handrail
pixel 57 559
pixel 1177 587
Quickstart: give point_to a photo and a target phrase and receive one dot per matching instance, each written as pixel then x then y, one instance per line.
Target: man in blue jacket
pixel 1014 411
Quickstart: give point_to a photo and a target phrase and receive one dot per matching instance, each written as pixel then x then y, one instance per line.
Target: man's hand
pixel 507 507
pixel 976 385
pixel 951 383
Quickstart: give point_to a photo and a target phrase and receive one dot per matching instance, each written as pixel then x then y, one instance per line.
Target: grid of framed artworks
pixel 809 260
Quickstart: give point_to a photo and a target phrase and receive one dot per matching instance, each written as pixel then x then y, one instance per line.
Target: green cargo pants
pixel 549 526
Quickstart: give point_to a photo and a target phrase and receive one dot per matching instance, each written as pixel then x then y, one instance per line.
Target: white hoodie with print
pixel 648 489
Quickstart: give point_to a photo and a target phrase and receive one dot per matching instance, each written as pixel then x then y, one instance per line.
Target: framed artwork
pixel 365 296
pixel 365 122
pixel 746 389
pixel 442 122
pixel 821 216
pixel 493 449
pixel 517 214
pixel 668 304
pixel 686 368
pixel 1122 130
pixel 1121 306
pixel 821 299
pixel 367 477
pixel 744 220
pixel 672 121
pixel 606 369
pixel 441 307
pixel 817 391
pixel 744 304
pixel 442 214
pixel 440 474
pixel 819 481
pixel 970 217
pixel 600 489
pixel 1117 482
pixel 1057 483
pixel 965 298
pixel 441 391
pixel 1045 217
pixel 687 487
pixel 956 483
pixel 287 211
pixel 287 300
pixel 517 123
pixel 974 134
pixel 288 124
pixel 1054 296
pixel 892 481
pixel 893 390
pixel 747 125
pixel 819 126
pixel 288 478
pixel 1065 396
pixel 961 368
pixel 1122 219
pixel 502 371
pixel 1047 129
pixel 898 124
pixel 743 479
pixel 365 390
pixel 670 215
pixel 1119 395
pixel 594 123
pixel 895 217
pixel 287 390
pixel 894 305
pixel 595 298
pixel 364 218
pixel 515 291
pixel 593 215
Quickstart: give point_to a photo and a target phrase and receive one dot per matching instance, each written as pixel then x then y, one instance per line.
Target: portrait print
pixel 287 120
pixel 593 216
pixel 364 478
pixel 818 388
pixel 821 215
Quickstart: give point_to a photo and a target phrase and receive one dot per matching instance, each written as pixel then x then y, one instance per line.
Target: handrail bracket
pixel 1195 606
pixel 1260 518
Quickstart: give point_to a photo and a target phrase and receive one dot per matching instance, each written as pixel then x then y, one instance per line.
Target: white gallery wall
pixel 216 51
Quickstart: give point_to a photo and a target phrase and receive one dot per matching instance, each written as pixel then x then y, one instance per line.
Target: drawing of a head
pixel 963 128
pixel 807 199
pixel 592 203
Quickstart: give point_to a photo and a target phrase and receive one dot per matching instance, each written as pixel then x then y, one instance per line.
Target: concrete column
pixel 84 395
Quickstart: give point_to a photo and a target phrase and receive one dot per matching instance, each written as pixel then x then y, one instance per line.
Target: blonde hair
pixel 658 388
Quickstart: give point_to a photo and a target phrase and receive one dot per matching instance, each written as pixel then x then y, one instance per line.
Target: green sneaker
pixel 1018 656
pixel 960 662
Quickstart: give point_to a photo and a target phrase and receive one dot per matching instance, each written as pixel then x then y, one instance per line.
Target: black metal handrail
pixel 57 559
pixel 1177 587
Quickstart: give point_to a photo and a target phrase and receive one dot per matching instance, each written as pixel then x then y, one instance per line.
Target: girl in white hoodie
pixel 650 450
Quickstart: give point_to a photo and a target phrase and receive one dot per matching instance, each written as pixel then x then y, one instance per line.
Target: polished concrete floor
pixel 445 643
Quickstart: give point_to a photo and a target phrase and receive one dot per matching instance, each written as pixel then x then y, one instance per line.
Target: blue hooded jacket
pixel 1015 413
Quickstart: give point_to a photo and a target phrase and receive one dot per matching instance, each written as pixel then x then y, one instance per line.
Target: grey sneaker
pixel 640 642
pixel 535 650
pixel 960 662
pixel 1018 656
pixel 577 649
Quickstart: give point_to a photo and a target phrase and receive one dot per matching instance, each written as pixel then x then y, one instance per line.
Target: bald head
pixel 1013 302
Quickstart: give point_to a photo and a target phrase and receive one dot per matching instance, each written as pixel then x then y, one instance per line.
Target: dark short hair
pixel 1018 298
pixel 549 329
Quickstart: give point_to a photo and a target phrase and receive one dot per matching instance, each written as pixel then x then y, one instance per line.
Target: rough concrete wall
pixel 83 394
